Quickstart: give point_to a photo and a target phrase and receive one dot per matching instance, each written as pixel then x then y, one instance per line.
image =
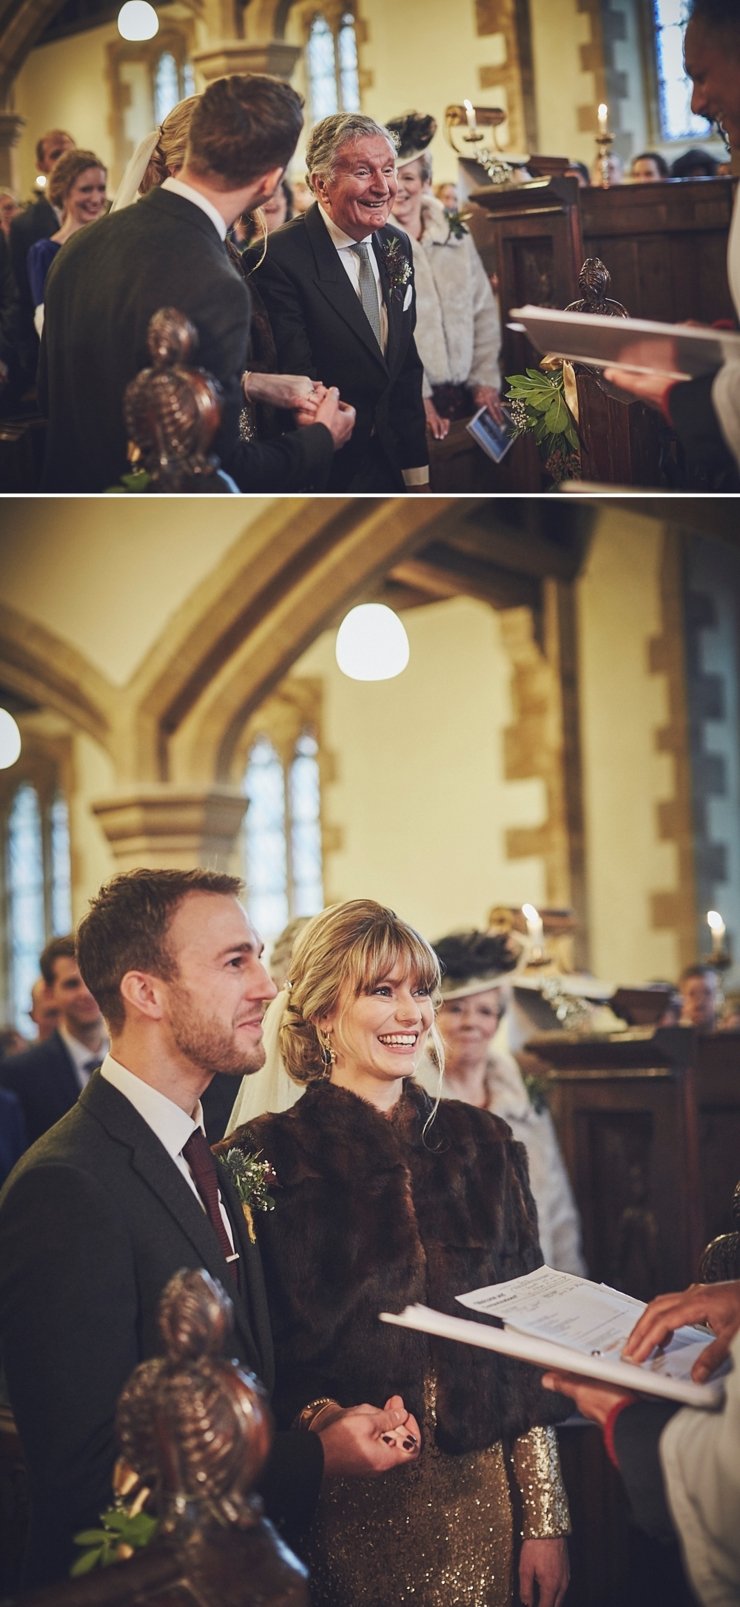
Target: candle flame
pixel 469 113
pixel 715 923
pixel 603 112
pixel 530 913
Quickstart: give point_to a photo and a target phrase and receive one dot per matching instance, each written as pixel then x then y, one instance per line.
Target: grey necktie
pixel 368 290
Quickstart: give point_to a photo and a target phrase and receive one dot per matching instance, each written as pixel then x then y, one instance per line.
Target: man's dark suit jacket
pixel 44 1080
pixel 38 222
pixel 320 329
pixel 94 1221
pixel 100 294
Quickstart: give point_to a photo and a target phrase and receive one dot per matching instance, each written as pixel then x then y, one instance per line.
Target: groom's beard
pixel 209 1044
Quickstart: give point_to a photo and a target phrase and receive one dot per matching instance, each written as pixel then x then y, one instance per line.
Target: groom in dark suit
pixel 338 286
pixel 169 251
pixel 100 1213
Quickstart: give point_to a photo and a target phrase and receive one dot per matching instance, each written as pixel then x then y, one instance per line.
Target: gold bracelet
pixel 246 376
pixel 309 1414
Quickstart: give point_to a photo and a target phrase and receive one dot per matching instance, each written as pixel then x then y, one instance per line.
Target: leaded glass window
pixel 332 67
pixel 282 833
pixel 674 88
pixel 166 86
pixel 349 78
pixel 24 878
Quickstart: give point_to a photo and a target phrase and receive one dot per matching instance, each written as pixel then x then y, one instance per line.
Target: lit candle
pixel 535 929
pixel 469 113
pixel 603 115
pixel 717 928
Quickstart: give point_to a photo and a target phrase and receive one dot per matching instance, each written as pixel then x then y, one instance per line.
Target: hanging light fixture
pixel 372 644
pixel 137 20
pixel 10 740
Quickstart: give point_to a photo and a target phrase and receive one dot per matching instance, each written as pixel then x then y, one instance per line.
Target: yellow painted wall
pixel 419 795
pixel 623 706
pixel 110 592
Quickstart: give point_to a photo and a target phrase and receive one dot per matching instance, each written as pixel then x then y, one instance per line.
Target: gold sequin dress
pixel 438 1532
pixel 372 1214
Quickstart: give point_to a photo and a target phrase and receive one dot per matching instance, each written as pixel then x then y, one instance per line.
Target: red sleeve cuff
pixel 609 1425
pixel 665 404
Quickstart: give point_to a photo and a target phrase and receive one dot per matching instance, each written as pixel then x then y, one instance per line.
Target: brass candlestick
pixel 604 142
pixel 467 126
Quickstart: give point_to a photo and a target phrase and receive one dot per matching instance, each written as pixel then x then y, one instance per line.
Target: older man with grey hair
pixel 338 285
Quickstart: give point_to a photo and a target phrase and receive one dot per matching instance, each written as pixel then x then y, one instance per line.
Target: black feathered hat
pixel 412 132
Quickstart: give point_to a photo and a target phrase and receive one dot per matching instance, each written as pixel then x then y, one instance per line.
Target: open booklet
pixel 557 1320
pixel 679 351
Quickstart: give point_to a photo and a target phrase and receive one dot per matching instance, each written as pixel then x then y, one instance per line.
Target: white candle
pixel 603 115
pixel 535 929
pixel 469 113
pixel 717 928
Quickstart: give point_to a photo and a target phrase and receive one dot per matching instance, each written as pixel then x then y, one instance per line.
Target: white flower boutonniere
pixel 397 267
pixel 251 1178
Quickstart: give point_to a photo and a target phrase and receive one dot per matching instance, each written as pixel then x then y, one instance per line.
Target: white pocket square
pixel 407 298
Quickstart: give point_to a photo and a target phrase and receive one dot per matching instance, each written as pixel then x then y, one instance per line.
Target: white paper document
pixel 557 1320
pixel 680 351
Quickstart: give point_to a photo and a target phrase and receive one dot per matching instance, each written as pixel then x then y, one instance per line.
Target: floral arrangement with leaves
pixel 251 1178
pixel 538 407
pixel 397 266
pixel 124 1529
pixel 457 223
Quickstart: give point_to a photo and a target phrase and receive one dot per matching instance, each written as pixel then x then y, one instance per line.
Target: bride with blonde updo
pixel 382 1197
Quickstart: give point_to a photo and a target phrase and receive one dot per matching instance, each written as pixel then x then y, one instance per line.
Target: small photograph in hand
pixel 494 438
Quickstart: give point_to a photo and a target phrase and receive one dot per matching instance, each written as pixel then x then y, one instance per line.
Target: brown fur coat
pixel 370 1216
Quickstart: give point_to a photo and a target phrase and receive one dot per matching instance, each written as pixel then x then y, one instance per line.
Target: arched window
pixel 172 80
pixel 332 66
pixel 674 89
pixel 36 887
pixel 282 832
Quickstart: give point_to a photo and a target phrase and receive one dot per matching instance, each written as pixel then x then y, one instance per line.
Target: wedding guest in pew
pixel 649 168
pixel 123 1192
pixel 76 188
pixel 680 1467
pixel 695 164
pixel 458 328
pixel 705 412
pixel 701 998
pixel 476 989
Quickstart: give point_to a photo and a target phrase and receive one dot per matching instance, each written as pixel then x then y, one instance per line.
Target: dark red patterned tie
pixel 205 1176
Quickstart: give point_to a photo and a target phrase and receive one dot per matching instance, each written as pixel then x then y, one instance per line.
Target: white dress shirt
pixel 189 194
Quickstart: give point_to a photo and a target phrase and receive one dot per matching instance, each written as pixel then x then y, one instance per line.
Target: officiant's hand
pixel 715 1304
pixel 593 1400
pixel 363 1441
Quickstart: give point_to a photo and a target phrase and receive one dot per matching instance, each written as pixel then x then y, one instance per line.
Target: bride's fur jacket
pixel 371 1215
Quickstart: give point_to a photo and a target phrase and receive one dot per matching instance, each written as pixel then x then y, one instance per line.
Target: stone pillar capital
pixel 236 56
pixel 172 827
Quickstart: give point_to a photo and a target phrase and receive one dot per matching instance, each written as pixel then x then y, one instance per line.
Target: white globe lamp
pixel 10 740
pixel 372 644
pixel 137 20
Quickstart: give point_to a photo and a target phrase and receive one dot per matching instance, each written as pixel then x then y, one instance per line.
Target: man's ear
pixel 144 994
pixel 267 185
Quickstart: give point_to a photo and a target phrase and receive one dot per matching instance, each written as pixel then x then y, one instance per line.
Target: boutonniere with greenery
pixel 251 1178
pixel 539 406
pixel 397 266
pixel 457 223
